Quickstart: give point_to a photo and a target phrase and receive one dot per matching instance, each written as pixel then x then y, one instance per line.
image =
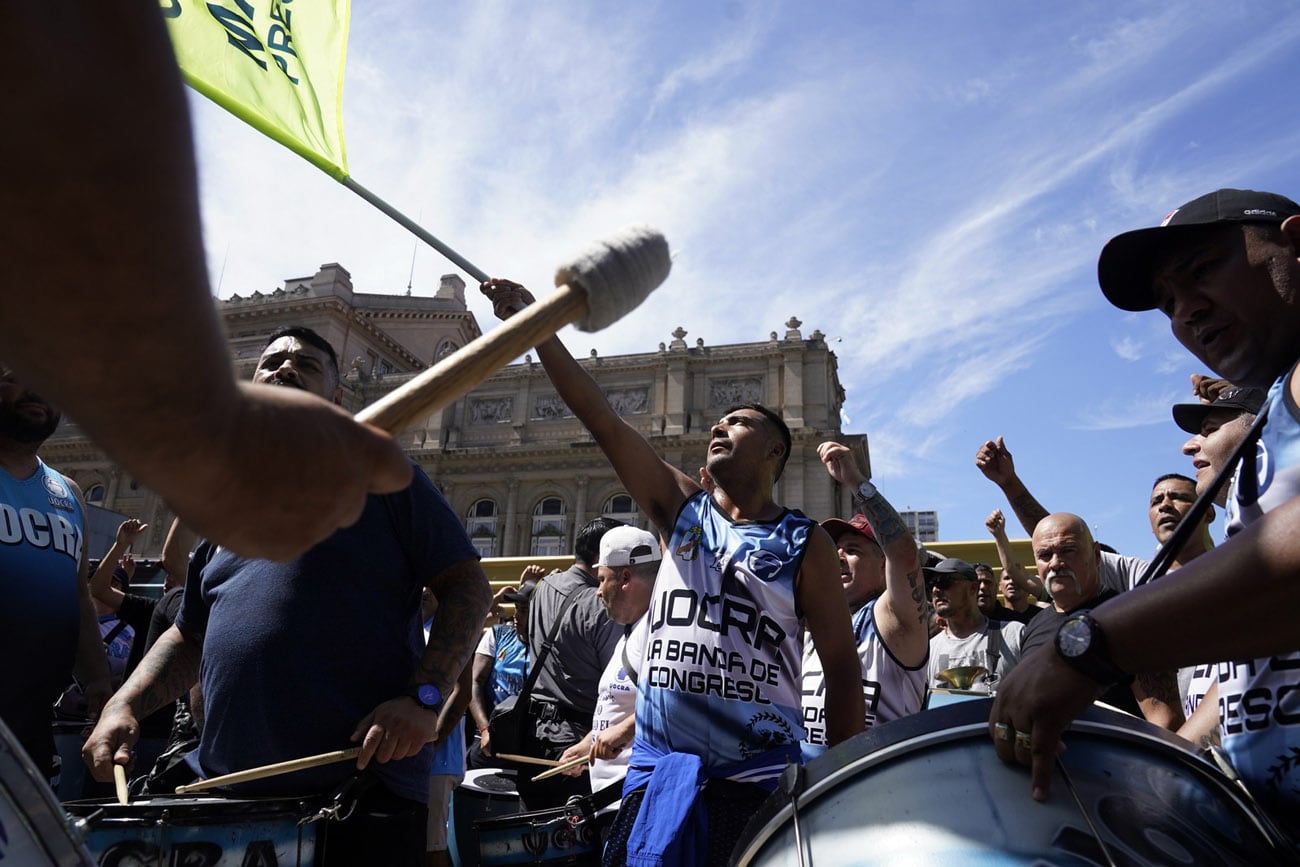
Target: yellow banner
pixel 277 64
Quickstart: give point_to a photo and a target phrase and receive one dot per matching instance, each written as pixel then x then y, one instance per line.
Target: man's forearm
pixel 464 597
pixel 1018 573
pixel 169 669
pixel 1027 508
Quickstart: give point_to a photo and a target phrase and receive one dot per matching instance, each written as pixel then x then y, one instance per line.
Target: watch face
pixel 428 694
pixel 1074 638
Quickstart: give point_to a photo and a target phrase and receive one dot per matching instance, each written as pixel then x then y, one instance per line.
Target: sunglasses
pixel 943 582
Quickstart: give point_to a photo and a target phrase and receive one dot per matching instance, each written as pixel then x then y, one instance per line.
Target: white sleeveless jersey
pixel 891 689
pixel 1259 699
pixel 721 676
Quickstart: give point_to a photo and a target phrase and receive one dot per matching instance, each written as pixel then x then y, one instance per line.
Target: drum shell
pixel 207 830
pixel 484 794
pixel 930 789
pixel 35 829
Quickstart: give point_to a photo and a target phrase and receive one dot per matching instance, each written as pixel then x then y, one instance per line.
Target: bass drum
pixel 930 789
pixel 33 828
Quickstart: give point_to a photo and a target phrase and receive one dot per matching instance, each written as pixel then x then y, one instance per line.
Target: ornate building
pixel 510 457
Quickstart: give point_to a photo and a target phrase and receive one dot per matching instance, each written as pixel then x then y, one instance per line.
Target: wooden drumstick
pixel 119 783
pixel 526 760
pixel 559 769
pixel 595 290
pixel 272 770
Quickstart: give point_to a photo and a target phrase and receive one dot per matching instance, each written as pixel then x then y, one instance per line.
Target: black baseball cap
pixel 951 567
pixel 1190 416
pixel 523 594
pixel 1124 268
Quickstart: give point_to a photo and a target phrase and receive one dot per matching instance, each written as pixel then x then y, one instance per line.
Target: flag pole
pixel 456 259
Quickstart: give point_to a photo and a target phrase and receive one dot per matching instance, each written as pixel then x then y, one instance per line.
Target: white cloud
pixel 1130 412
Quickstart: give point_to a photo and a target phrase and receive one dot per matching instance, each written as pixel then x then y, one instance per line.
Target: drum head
pixel 930 789
pixel 490 781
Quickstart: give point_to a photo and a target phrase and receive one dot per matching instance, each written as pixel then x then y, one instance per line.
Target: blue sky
pixel 927 183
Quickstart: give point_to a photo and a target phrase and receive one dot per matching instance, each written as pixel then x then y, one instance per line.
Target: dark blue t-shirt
pixel 296 654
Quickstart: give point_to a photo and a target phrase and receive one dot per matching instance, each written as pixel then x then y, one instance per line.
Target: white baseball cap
pixel 628 546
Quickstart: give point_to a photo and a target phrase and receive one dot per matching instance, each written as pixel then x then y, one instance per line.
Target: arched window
pixel 481 525
pixel 548 529
pixel 95 495
pixel 623 508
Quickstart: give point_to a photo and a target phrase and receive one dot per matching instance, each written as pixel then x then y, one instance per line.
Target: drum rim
pixel 825 774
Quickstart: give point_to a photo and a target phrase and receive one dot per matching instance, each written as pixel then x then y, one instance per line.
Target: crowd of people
pixel 694 660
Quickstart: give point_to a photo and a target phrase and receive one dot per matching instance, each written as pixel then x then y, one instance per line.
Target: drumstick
pixel 272 770
pixel 559 769
pixel 595 290
pixel 119 783
pixel 261 773
pixel 526 760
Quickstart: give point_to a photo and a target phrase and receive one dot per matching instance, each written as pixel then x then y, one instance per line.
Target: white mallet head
pixel 617 274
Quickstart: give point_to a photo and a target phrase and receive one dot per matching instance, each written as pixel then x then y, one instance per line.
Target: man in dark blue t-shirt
pixel 303 657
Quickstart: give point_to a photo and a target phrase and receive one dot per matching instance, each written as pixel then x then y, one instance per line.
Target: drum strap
pixel 627 663
pixel 991 649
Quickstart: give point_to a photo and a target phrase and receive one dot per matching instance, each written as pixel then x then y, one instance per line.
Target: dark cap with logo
pixel 1190 416
pixel 1124 269
pixel 951 567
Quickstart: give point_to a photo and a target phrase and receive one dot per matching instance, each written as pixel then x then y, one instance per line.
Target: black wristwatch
pixel 1082 644
pixel 426 695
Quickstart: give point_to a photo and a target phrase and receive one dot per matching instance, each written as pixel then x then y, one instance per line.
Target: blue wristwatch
pixel 426 695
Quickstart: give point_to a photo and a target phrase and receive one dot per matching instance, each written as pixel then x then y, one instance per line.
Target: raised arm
pixel 1019 575
pixel 658 488
pixel 101 582
pixel 994 461
pixel 901 614
pixel 826 613
pixel 176 550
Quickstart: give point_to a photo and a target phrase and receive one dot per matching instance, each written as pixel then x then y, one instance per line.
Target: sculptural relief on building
pixel 490 410
pixel 549 406
pixel 730 392
pixel 629 401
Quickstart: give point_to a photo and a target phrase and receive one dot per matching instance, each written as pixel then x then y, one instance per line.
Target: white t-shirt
pixel 949 652
pixel 615 702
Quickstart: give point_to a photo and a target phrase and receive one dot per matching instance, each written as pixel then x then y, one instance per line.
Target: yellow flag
pixel 277 64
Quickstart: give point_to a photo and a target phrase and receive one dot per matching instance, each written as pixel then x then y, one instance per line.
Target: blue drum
pixel 929 789
pixel 203 831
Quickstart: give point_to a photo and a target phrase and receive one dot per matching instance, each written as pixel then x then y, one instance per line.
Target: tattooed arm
pixel 901 614
pixel 169 668
pixel 1157 695
pixel 994 461
pixel 400 727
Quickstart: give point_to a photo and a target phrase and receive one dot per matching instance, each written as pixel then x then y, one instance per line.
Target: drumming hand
pixel 575 752
pixel 111 741
pixel 397 729
pixel 610 742
pixel 1040 697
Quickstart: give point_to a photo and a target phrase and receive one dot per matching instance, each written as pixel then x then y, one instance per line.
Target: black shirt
pixel 1042 630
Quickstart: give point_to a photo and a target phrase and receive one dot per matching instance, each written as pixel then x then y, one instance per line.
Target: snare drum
pixel 930 789
pixel 541 837
pixel 207 830
pixel 484 794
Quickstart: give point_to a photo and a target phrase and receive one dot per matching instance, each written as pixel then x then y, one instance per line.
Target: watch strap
pixel 1095 661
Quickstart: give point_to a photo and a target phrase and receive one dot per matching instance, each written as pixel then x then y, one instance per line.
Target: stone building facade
pixel 509 456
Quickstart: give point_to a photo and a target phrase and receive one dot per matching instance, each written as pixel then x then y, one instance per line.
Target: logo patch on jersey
pixel 766 731
pixel 56 487
pixel 762 564
pixel 690 547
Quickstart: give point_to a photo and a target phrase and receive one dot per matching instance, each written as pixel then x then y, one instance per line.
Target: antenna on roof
pixel 414 249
